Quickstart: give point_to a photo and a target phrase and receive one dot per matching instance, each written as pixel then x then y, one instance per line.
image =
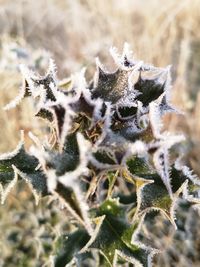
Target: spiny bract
pixel 107 158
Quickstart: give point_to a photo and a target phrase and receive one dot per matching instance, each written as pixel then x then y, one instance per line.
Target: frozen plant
pixel 106 159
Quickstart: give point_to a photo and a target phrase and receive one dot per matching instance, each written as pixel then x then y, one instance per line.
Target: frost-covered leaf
pixel 62 121
pixel 113 236
pixel 105 157
pixel 139 166
pixel 110 86
pixel 166 106
pixel 25 165
pixel 45 113
pixel 155 195
pixel 150 88
pixel 73 199
pixel 84 103
pixel 132 132
pixel 183 175
pixel 125 112
pixel 23 92
pixel 68 247
pixel 125 60
pixel 38 83
pixel 63 170
pixel 64 161
pixel 68 164
pixel 161 162
pixel 7 186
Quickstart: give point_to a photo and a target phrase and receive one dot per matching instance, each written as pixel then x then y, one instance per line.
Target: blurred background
pixel 73 33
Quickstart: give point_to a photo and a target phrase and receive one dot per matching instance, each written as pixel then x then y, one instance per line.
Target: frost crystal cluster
pixel 106 158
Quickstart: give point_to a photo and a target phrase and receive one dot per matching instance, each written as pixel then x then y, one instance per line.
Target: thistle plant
pixel 105 157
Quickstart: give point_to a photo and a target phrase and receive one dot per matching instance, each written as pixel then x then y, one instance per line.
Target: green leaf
pixel 69 196
pixel 178 178
pixel 83 106
pixel 153 195
pixel 25 165
pixel 105 157
pixel 67 160
pixel 127 111
pixel 133 134
pixel 138 166
pixel 45 114
pixel 69 246
pixel 150 88
pixel 34 82
pixel 111 86
pixel 113 236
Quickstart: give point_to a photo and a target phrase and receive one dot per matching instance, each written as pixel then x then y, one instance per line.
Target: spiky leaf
pixel 113 236
pixel 24 165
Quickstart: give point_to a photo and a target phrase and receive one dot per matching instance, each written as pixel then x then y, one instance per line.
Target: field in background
pixel 75 32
